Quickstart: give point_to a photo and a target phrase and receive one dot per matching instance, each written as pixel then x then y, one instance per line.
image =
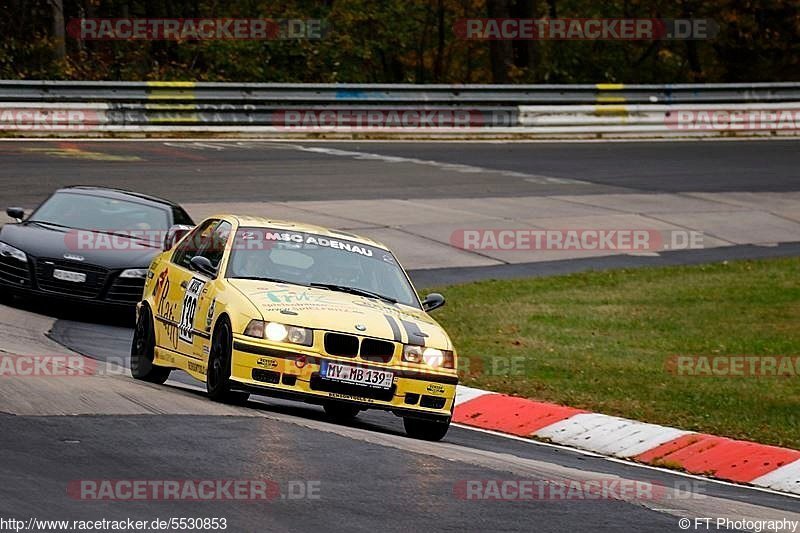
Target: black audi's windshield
pixel 336 264
pixel 98 213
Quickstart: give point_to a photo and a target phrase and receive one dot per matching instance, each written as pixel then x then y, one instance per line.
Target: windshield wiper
pixel 44 222
pixel 353 290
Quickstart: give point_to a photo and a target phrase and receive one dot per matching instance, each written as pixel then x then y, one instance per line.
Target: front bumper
pixel 102 287
pixel 295 374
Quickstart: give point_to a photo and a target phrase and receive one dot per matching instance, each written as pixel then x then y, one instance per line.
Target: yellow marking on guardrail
pixel 170 106
pixel 184 84
pixel 170 90
pixel 171 112
pixel 611 110
pixel 609 98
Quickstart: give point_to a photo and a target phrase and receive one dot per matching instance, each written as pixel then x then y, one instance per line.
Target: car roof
pixel 263 222
pixel 119 194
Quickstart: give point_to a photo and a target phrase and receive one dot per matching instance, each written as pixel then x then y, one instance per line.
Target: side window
pixel 179 216
pixel 193 243
pixel 214 248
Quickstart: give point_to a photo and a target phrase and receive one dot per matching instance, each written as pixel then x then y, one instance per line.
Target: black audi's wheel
pixel 143 351
pixel 340 411
pixel 218 371
pixel 426 429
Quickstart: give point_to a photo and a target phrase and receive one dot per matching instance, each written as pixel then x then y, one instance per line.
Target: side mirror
pixel 175 234
pixel 17 213
pixel 433 301
pixel 203 265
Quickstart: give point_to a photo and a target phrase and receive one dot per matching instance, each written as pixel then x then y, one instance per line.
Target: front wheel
pixel 218 371
pixel 143 350
pixel 426 429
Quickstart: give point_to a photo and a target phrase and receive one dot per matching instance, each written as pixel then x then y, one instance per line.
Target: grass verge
pixel 607 341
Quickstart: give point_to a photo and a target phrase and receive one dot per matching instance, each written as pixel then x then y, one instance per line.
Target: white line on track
pixel 627 462
pixel 584 453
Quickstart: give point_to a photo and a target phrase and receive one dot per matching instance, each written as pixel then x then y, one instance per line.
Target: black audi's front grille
pixel 326 385
pixel 341 345
pixel 127 290
pixel 14 271
pixel 377 351
pixel 90 288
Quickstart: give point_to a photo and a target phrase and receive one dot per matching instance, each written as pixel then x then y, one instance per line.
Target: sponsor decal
pixel 189 308
pixel 196 367
pixel 340 396
pixel 267 362
pixel 210 314
pixel 166 309
pixel 316 240
pixel 435 388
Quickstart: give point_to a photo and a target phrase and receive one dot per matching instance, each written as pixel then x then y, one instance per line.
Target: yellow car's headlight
pixel 277 332
pixel 430 356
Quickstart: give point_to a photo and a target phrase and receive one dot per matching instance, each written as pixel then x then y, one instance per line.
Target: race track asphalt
pixel 370 476
pixel 269 171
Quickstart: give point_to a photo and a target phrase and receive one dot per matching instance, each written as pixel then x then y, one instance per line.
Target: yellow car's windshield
pixel 321 261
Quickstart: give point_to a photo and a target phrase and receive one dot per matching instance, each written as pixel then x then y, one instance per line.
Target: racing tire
pixel 340 411
pixel 218 370
pixel 143 348
pixel 426 429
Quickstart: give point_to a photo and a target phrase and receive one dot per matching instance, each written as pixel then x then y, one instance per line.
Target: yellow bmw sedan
pixel 251 305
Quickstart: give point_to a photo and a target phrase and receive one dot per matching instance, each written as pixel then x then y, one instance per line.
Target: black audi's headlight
pixel 6 250
pixel 136 273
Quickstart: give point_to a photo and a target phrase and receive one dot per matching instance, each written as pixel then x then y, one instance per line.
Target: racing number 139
pixel 189 309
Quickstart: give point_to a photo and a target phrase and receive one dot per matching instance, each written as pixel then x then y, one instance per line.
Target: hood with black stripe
pixel 328 310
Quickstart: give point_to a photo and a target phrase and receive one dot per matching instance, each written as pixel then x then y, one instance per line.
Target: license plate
pixel 370 377
pixel 66 275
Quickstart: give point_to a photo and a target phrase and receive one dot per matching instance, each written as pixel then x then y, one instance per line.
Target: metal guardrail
pixel 89 107
pixel 98 91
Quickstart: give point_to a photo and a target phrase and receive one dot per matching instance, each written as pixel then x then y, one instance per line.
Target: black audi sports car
pixel 88 244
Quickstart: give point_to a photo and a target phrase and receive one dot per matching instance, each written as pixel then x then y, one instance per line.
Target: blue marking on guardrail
pixel 343 94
